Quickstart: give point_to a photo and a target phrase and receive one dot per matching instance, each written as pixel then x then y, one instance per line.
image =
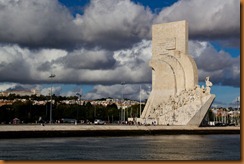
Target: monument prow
pixel 176 98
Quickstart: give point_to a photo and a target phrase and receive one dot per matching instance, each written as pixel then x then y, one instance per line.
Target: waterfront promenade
pixel 71 130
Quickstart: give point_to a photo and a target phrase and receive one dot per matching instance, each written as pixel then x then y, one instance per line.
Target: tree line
pixel 26 112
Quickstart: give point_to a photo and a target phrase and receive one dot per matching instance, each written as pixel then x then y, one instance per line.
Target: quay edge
pixel 38 131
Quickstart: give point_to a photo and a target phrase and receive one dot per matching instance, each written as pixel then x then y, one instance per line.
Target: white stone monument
pixel 176 98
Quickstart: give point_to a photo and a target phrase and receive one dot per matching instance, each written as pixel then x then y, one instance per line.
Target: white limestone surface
pixel 175 98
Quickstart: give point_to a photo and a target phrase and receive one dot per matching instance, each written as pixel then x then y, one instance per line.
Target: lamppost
pixel 140 101
pixel 237 110
pixel 51 76
pixel 237 103
pixel 78 94
pixel 122 113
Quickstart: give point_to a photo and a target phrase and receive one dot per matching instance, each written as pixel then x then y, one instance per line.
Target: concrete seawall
pixel 54 130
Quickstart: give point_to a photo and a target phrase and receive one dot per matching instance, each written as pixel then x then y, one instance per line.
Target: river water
pixel 162 147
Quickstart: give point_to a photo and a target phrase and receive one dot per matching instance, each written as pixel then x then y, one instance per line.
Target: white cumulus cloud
pixel 212 19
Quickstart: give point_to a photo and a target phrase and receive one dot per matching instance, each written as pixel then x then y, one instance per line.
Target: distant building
pixel 6 102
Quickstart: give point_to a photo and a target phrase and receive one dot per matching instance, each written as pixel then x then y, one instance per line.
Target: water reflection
pixel 164 147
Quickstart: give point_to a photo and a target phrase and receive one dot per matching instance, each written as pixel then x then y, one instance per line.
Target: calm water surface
pixel 164 147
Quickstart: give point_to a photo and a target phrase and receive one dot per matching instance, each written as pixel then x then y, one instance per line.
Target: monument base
pixel 187 108
pixel 199 116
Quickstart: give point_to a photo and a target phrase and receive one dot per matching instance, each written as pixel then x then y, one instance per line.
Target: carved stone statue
pixel 208 85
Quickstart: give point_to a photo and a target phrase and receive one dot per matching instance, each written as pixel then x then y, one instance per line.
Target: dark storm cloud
pixel 222 68
pixel 47 23
pixel 35 23
pixel 12 67
pixel 79 66
pixel 46 66
pixel 210 60
pixel 110 24
pixel 84 59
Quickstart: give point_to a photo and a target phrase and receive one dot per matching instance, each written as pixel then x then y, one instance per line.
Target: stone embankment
pixel 71 130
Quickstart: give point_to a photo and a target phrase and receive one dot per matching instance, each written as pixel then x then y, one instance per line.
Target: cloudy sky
pixel 94 45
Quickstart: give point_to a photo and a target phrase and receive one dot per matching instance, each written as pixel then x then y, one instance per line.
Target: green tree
pixel 112 112
pixel 6 114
